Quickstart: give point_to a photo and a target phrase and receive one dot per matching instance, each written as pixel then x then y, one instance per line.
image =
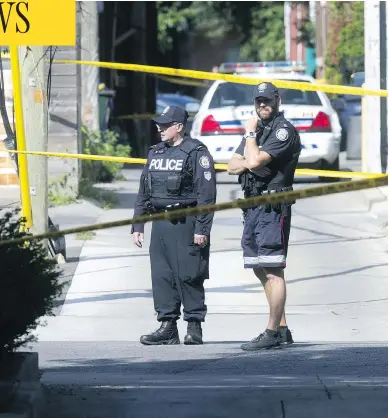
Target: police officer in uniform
pixel 266 161
pixel 179 174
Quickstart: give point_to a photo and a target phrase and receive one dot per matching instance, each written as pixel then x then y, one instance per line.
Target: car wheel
pixel 331 167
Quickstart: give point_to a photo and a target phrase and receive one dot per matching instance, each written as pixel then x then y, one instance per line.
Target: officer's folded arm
pixel 237 165
pixel 255 158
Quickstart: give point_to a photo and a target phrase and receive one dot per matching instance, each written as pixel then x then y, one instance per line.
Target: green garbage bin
pixel 106 97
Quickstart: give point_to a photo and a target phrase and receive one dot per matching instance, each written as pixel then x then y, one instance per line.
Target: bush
pixel 102 143
pixel 28 285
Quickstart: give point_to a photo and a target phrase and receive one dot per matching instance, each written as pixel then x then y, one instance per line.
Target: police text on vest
pixel 166 164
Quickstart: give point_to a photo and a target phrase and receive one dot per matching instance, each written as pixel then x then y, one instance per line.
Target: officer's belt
pixel 176 206
pixel 279 190
pixel 271 191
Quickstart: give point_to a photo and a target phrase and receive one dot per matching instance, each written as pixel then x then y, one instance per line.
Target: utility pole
pixel 35 112
pixel 89 51
pixel 387 75
pixel 383 86
pixel 372 129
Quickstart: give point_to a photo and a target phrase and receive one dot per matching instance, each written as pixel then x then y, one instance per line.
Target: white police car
pixel 226 106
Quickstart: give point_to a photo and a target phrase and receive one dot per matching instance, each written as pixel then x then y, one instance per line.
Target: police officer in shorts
pixel 179 173
pixel 266 161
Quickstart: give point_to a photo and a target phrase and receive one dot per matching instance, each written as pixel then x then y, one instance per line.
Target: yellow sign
pixel 38 22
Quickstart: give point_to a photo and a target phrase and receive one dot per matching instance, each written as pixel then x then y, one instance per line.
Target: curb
pixel 27 395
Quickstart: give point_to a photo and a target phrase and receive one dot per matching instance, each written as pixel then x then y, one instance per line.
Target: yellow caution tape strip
pixel 183 82
pixel 143 116
pixel 222 167
pixel 199 210
pixel 140 116
pixel 204 75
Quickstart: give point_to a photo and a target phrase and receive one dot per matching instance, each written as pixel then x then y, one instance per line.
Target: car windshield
pixel 176 99
pixel 233 94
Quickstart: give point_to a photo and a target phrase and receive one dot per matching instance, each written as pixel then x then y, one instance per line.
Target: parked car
pixel 348 105
pixel 226 106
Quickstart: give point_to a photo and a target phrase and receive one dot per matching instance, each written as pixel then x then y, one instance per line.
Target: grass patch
pixel 57 193
pixel 120 177
pixel 60 200
pixel 85 236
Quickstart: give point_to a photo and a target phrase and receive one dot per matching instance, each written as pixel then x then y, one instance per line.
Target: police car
pixel 220 121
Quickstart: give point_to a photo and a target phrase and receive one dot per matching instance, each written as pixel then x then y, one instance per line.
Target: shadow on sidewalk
pixel 146 381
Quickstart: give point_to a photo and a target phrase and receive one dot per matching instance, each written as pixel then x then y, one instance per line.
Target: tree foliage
pixel 307 33
pixel 267 34
pixel 102 143
pixel 173 18
pixel 345 52
pixel 259 26
pixel 29 285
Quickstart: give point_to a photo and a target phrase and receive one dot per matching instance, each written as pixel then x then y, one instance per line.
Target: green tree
pixel 29 285
pixel 307 33
pixel 173 18
pixel 345 54
pixel 259 26
pixel 267 34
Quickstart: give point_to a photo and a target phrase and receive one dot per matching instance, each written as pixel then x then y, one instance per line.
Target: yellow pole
pixel 20 138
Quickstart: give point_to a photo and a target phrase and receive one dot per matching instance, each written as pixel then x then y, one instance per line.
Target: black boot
pixel 194 334
pixel 166 334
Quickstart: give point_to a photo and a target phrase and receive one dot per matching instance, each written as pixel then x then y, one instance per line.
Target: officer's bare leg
pixel 276 282
pixel 261 274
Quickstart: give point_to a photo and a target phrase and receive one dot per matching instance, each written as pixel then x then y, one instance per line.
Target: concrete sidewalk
pixel 112 280
pixel 93 364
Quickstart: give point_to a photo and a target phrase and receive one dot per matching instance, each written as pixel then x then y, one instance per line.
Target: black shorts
pixel 265 238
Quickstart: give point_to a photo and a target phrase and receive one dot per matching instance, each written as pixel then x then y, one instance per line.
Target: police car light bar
pixel 262 67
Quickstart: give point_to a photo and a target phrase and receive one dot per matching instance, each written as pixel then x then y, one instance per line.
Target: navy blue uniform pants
pixel 178 270
pixel 265 237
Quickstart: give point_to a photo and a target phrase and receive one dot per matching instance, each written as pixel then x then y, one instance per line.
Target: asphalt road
pixel 93 365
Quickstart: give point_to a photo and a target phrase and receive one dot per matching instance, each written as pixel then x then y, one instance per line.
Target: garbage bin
pixel 106 97
pixel 354 138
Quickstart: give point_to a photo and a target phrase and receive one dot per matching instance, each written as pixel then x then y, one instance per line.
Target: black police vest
pixel 276 175
pixel 170 175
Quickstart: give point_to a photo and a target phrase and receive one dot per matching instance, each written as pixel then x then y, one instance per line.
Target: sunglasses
pixel 266 101
pixel 166 126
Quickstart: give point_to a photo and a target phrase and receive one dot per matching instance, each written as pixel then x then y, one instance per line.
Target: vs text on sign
pixel 38 22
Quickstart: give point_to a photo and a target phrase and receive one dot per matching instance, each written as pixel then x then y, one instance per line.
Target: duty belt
pixel 176 206
pixel 278 207
pixel 279 190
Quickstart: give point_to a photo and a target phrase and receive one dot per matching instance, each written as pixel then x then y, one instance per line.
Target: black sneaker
pixel 194 334
pixel 264 341
pixel 285 336
pixel 167 334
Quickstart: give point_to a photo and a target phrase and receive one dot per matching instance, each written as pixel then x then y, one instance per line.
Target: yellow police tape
pixel 204 75
pixel 183 82
pixel 143 116
pixel 243 203
pixel 221 167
